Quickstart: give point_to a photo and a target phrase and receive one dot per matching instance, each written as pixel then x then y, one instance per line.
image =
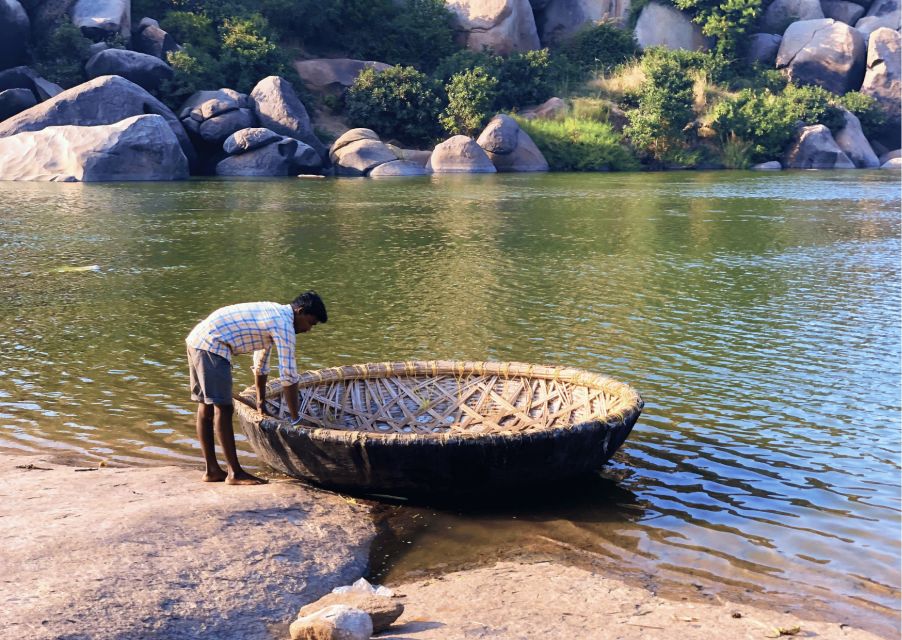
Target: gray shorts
pixel 210 377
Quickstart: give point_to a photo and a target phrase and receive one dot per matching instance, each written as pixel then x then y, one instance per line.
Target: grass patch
pixel 575 144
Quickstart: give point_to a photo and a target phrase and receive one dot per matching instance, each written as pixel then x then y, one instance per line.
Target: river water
pixel 758 315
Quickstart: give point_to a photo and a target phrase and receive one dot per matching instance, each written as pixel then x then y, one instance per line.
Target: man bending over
pixel 243 328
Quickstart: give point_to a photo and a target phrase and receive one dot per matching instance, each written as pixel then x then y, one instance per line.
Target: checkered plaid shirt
pixel 247 327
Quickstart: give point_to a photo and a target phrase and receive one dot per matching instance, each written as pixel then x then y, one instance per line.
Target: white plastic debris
pixel 363 586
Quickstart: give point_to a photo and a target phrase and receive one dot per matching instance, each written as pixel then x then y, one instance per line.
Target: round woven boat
pixel 439 427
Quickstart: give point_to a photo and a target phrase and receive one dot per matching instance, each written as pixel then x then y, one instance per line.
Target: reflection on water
pixel 757 315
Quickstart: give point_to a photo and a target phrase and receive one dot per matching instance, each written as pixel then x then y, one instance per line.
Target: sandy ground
pixel 102 553
pixel 545 600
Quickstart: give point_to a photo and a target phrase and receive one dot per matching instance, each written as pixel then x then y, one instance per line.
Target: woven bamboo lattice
pixel 428 397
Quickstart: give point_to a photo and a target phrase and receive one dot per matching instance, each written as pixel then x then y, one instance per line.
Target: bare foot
pixel 214 476
pixel 243 477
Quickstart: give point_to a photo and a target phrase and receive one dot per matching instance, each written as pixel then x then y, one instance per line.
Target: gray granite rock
pixel 398 168
pixel 815 148
pixel 824 52
pixel 217 128
pixel 882 13
pixel 852 141
pixel 153 41
pixel 782 13
pixel 509 147
pixel 26 78
pixel 763 47
pixel 103 100
pixel 353 135
pixel 192 107
pixel 459 154
pixel 15 31
pixel 139 148
pixel 382 610
pixel 99 19
pixel 773 165
pixel 883 81
pixel 249 139
pixel 842 11
pixel 335 622
pixel 552 108
pixel 274 159
pixel 144 70
pixel 892 163
pixel 13 101
pixel 332 76
pixel 505 26
pixel 151 552
pixel 359 157
pixel 557 20
pixel 890 155
pixel 278 108
pixel 661 25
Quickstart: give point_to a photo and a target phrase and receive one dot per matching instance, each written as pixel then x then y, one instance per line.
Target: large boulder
pixel 398 169
pixel 216 129
pixel 152 40
pixel 782 13
pixel 144 70
pixel 763 48
pixel 249 139
pixel 103 100
pixel 883 80
pixel 459 154
pixel 15 28
pixel 278 107
pixel 274 159
pixel 824 52
pixel 509 147
pixel 557 20
pixel 815 148
pixel 854 144
pixel 332 76
pixel 358 152
pixel 662 25
pixel 100 19
pixel 882 13
pixel 139 148
pixel 13 101
pixel 26 78
pixel 504 26
pixel 842 11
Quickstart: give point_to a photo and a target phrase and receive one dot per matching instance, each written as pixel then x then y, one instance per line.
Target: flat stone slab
pixel 155 553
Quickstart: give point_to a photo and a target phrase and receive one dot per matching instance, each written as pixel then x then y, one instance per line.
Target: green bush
pixel 665 106
pixel 770 120
pixel 600 48
pixel 522 78
pixel 194 29
pixel 248 54
pixel 727 21
pixel 471 95
pixel 399 103
pixel 868 111
pixel 61 54
pixel 736 153
pixel 574 144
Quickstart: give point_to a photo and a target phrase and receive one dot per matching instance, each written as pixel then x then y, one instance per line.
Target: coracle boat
pixel 441 427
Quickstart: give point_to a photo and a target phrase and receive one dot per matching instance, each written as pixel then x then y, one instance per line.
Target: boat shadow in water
pixel 586 520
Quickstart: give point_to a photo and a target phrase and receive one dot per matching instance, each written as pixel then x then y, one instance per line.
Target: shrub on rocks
pixel 598 48
pixel 400 103
pixel 470 101
pixel 60 54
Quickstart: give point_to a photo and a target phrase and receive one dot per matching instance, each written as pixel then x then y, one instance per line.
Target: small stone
pixel 382 610
pixel 337 622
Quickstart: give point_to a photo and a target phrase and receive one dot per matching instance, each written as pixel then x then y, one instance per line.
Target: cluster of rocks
pixel 355 612
pixel 501 147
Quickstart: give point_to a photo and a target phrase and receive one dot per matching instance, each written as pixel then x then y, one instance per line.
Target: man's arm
pixel 290 393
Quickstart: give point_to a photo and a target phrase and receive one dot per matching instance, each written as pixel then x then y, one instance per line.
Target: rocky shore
pixel 104 553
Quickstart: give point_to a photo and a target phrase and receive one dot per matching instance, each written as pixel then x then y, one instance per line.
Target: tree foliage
pixel 471 94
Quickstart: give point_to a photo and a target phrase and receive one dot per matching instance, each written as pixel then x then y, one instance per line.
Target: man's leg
pixel 213 472
pixel 226 436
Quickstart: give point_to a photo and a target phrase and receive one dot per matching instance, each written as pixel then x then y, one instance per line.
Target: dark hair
pixel 309 302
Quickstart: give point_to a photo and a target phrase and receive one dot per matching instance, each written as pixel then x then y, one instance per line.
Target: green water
pixel 758 315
